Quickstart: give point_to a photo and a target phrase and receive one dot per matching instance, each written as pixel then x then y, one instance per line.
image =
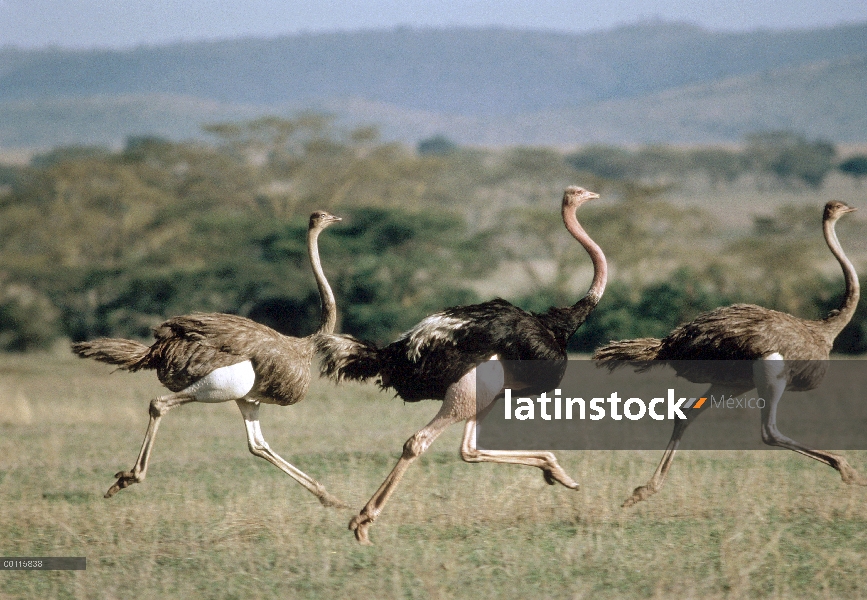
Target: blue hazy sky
pixel 124 23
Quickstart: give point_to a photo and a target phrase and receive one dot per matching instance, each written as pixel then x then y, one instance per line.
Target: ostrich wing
pixel 740 334
pixel 442 348
pixel 189 347
pixel 745 332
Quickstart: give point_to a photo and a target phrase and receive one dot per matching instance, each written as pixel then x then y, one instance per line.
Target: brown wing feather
pixel 745 332
pixel 189 347
pixel 740 334
pixel 283 370
pixel 720 345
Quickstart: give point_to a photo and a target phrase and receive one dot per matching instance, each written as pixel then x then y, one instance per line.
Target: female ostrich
pixel 215 357
pixel 437 360
pixel 745 332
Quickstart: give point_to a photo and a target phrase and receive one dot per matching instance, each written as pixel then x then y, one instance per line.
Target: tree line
pixel 100 242
pixel 787 157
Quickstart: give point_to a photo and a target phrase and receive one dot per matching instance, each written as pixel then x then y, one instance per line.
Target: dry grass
pixel 212 521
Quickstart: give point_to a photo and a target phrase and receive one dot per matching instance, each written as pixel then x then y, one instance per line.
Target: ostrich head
pixel 835 209
pixel 321 219
pixel 575 196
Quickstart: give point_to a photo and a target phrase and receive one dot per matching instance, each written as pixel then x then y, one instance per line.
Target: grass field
pixel 212 521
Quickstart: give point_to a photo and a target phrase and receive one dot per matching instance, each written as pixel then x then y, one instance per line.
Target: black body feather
pixel 427 359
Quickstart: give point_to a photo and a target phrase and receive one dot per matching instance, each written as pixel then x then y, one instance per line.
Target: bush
pixel 652 311
pixel 790 156
pixel 28 320
pixel 438 145
pixel 854 166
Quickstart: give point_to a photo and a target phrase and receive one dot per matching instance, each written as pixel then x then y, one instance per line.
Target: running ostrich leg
pixel 215 357
pixel 746 332
pixel 437 360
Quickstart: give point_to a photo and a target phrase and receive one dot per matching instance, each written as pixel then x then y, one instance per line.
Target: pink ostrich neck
pixel 600 266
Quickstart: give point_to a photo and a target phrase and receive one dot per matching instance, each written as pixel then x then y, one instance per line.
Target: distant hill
pixel 109 120
pixel 652 81
pixel 821 100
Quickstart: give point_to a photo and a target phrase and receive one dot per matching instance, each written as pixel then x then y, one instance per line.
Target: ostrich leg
pixel 491 378
pixel 259 447
pixel 645 491
pixel 159 406
pixel 546 461
pixel 459 404
pixel 769 375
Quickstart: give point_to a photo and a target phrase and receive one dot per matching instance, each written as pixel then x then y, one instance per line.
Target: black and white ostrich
pixel 437 360
pixel 217 357
pixel 762 340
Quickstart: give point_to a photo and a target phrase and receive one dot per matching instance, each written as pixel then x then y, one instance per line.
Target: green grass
pixel 212 521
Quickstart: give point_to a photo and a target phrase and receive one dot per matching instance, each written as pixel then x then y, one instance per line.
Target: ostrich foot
pixel 556 475
pixel 850 475
pixel 330 501
pixel 642 492
pixel 359 524
pixel 124 479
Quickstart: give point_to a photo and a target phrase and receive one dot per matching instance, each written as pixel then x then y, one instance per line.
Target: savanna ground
pixel 212 521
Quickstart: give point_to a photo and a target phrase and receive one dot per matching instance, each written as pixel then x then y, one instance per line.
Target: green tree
pixel 854 166
pixel 791 157
pixel 28 319
pixel 608 162
pixel 438 145
pixel 720 165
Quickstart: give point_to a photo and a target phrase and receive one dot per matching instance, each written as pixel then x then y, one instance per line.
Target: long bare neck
pixel 841 318
pixel 328 319
pixel 563 322
pixel 600 266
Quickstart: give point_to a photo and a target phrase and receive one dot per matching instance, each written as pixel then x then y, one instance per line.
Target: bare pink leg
pixel 259 447
pixel 546 461
pixel 459 404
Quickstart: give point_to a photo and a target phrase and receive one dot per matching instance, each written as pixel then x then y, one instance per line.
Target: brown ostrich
pixel 437 360
pixel 745 332
pixel 215 357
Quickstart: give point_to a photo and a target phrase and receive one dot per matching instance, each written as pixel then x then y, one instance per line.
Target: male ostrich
pixel 437 360
pixel 745 332
pixel 215 357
